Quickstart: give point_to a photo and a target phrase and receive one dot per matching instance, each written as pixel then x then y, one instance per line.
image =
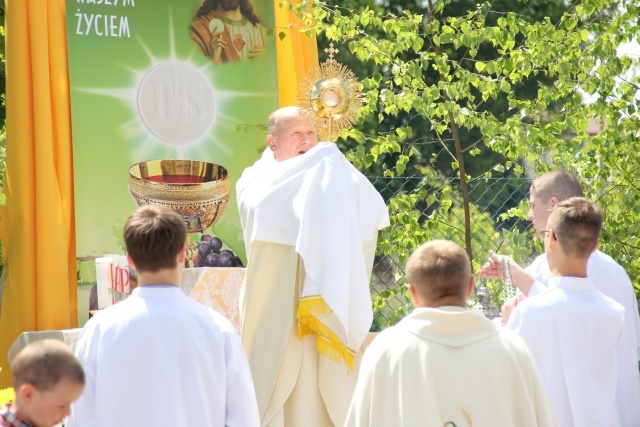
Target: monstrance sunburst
pixel 330 97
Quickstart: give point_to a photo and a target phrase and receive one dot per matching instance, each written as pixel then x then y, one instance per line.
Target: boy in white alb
pixel 572 329
pixel 159 358
pixel 606 275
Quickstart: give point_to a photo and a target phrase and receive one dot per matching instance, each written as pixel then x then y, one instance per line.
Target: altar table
pixel 216 288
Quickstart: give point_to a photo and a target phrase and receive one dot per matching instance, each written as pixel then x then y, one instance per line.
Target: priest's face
pixel 293 138
pixel 539 211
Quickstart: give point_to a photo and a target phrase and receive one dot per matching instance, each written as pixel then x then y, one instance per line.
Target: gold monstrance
pixel 330 97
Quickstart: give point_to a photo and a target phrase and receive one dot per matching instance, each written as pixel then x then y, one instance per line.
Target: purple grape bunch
pixel 211 254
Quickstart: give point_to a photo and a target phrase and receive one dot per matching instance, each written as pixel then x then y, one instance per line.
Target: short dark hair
pixel 153 236
pixel 44 363
pixel 576 223
pixel 560 184
pixel 439 269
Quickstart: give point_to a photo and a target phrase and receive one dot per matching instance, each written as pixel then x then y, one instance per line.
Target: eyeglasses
pixel 543 233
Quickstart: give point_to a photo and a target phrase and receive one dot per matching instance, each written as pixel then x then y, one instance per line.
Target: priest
pixel 310 222
pixel 444 365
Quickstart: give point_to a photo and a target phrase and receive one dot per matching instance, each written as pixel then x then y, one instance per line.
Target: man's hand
pixel 508 307
pixel 494 269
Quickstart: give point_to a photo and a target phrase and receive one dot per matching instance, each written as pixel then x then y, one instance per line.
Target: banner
pixel 153 81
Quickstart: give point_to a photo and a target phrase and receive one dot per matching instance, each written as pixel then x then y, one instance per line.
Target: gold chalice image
pixel 199 191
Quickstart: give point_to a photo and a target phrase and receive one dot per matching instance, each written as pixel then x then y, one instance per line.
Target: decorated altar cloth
pixel 216 288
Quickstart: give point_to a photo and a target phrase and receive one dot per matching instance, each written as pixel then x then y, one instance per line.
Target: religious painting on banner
pixel 167 102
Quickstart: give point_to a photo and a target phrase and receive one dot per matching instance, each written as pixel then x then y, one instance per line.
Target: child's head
pixel 47 378
pixel 154 236
pixel 575 223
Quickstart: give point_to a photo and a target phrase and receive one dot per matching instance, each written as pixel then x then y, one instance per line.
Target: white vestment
pixel 310 226
pixel 610 278
pixel 159 358
pixel 572 331
pixel 448 367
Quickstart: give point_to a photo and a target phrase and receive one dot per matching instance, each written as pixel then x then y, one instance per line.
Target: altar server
pixel 606 275
pixel 444 365
pixel 572 329
pixel 159 358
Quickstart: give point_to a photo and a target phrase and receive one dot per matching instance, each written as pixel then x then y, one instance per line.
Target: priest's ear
pixel 415 297
pixel 471 286
pixel 272 143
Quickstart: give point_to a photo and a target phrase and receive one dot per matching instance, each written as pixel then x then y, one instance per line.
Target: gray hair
pixel 280 116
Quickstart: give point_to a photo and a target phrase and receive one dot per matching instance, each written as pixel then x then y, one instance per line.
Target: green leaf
pixel 584 35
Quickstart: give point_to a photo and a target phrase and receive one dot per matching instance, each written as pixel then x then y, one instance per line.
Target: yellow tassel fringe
pixel 327 342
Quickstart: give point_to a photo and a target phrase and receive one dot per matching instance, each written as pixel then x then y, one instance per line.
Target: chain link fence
pixel 491 229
